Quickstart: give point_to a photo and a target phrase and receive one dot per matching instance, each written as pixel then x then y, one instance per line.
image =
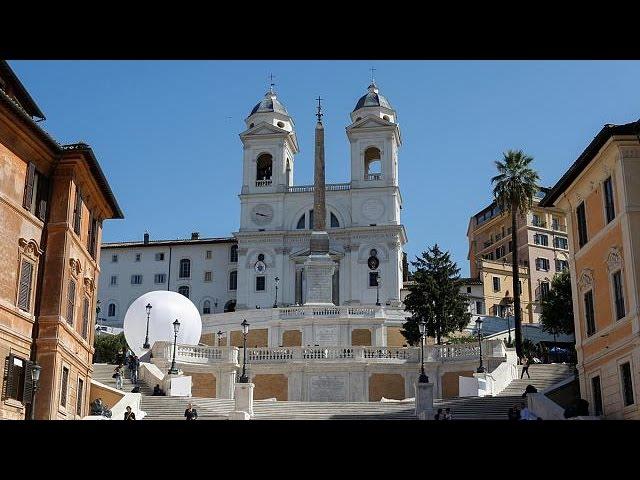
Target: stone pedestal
pixel 239 416
pixel 244 397
pixel 319 270
pixel 176 385
pixel 424 401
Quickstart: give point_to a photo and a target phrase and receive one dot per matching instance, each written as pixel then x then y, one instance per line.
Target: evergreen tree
pixel 435 297
pixel 557 306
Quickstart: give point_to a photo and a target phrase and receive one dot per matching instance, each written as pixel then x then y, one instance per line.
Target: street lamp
pixel 245 331
pixel 146 339
pixel 275 303
pixel 176 327
pixel 423 331
pixel 378 281
pixel 479 329
pixel 35 377
pixel 220 334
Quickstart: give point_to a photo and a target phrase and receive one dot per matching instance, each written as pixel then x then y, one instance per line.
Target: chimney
pixel 195 235
pixel 146 238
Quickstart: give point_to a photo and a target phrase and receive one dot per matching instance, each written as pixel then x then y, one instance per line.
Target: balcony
pixel 373 176
pixel 559 227
pixel 263 183
pixel 331 187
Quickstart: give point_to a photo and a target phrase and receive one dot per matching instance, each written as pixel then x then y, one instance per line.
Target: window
pixel 233 280
pixel 627 384
pixel 15 370
pixel 310 219
pixel 208 255
pixel 184 290
pixel 468 289
pixel 263 167
pixel 496 284
pixel 334 221
pixel 185 268
pixel 85 319
pixel 79 398
pixel 92 238
pixel 137 257
pixel 582 225
pixel 77 213
pixel 562 265
pixel 542 264
pixel 544 289
pixel 206 307
pixel 597 395
pixel 479 307
pixel 372 164
pixel 260 283
pixel 112 310
pixel 233 255
pixel 618 295
pixel 560 242
pixel 519 287
pixel 114 258
pixel 36 192
pixel 500 252
pixel 114 280
pixel 541 239
pixel 373 279
pixel 63 388
pixel 26 282
pixel 136 279
pixel 300 225
pixel 609 206
pixel 160 257
pixel 588 312
pixel 208 276
pixel 71 298
pixel 159 278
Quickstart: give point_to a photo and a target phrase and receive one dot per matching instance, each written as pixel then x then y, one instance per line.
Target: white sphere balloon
pixel 166 307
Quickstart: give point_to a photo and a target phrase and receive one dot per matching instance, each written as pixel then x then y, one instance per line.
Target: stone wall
pixel 270 386
pixel 202 384
pixel 387 385
pixel 255 338
pixel 450 384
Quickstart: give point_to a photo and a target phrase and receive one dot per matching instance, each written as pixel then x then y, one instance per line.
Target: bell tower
pixel 270 145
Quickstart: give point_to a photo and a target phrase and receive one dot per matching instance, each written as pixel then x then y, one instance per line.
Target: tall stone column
pixel 319 267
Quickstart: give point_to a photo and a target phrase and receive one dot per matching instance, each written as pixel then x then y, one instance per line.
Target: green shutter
pixel 27 392
pixel 7 377
pixel 24 289
pixel 28 186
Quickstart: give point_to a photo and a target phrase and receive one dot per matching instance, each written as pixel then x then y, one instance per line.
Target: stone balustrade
pixel 326 312
pixel 195 354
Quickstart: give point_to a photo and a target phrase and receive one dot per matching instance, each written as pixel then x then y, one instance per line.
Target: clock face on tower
pixel 262 214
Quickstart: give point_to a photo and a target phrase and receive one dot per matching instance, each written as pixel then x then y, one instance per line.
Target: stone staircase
pixel 542 376
pixel 102 373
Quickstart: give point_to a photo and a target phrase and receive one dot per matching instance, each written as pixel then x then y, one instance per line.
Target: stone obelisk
pixel 319 267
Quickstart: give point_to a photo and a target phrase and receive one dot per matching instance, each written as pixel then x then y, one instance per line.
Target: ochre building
pixel 53 200
pixel 600 194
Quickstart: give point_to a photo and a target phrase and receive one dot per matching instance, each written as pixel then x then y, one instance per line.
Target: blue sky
pixel 166 132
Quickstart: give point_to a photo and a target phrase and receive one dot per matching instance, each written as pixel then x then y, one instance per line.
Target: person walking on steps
pixel 525 367
pixel 118 376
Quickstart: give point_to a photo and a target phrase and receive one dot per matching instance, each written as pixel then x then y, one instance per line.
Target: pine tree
pixel 435 297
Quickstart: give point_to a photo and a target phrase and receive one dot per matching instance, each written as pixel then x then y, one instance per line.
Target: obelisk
pixel 319 267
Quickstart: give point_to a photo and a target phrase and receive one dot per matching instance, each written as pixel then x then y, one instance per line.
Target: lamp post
pixel 219 334
pixel 146 339
pixel 176 327
pixel 245 331
pixel 215 305
pixel 423 331
pixel 378 281
pixel 479 329
pixel 35 377
pixel 275 303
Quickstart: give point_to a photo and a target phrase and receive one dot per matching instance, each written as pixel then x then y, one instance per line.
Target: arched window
pixel 233 280
pixel 263 167
pixel 372 164
pixel 184 290
pixel 185 268
pixel 233 254
pixel 334 221
pixel 112 310
pixel 300 225
pixel 206 307
pixel 230 306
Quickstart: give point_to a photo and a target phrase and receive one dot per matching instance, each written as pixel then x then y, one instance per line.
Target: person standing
pixel 190 413
pixel 129 415
pixel 527 414
pixel 118 376
pixel 134 363
pixel 526 361
pixel 439 415
pixel 447 414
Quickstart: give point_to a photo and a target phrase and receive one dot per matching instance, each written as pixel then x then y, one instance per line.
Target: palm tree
pixel 514 188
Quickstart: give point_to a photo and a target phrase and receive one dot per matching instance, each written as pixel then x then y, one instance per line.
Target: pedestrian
pixel 527 414
pixel 190 413
pixel 525 367
pixel 447 414
pixel 439 415
pixel 129 415
pixel 134 363
pixel 118 376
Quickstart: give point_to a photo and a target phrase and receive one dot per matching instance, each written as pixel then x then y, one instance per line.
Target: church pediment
pixel 264 128
pixel 370 122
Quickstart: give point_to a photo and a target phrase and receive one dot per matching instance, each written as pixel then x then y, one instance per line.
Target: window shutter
pixel 8 376
pixel 85 319
pixel 24 292
pixel 77 213
pixel 71 301
pixel 63 390
pixel 43 197
pixel 28 186
pixel 27 393
pixel 90 234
